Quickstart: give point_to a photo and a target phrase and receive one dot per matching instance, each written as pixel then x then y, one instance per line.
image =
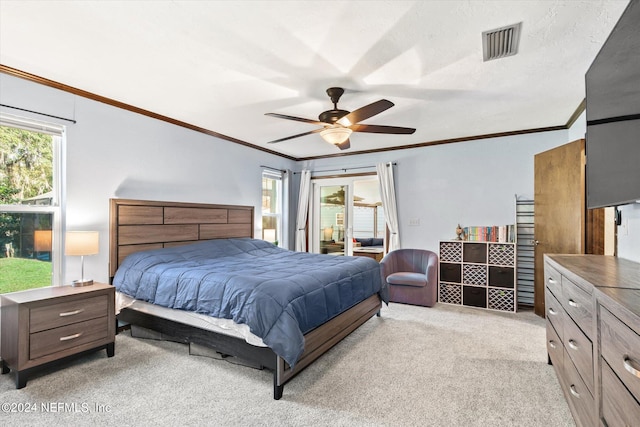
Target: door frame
pixel 314 209
pixel 313 239
pixel 560 208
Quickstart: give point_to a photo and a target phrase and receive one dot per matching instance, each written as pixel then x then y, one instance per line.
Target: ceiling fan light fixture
pixel 344 121
pixel 336 135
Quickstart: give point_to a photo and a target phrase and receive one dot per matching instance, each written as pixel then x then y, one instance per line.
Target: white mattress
pixel 202 321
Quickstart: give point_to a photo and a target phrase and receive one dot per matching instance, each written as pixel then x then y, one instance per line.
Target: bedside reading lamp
pixel 328 233
pixel 269 235
pixel 42 241
pixel 81 243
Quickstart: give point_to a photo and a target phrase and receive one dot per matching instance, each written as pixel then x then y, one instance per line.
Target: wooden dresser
pixel 593 336
pixel 42 326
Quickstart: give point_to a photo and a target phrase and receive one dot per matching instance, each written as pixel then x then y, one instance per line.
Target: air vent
pixel 501 42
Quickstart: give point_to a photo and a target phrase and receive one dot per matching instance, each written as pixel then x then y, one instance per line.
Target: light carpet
pixel 413 366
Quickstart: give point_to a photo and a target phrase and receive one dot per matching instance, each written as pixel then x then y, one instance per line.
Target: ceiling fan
pixel 337 125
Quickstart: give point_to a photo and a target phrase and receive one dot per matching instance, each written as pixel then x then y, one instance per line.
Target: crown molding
pixel 89 95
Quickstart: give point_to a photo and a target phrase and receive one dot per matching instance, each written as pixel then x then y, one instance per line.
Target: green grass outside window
pixel 17 274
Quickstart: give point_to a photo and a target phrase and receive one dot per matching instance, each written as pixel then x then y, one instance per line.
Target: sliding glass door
pixel 346 216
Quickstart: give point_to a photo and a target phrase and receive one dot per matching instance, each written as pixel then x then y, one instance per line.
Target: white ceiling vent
pixel 501 42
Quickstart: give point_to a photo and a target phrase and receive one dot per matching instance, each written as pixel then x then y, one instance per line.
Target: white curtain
pixel 388 193
pixel 303 207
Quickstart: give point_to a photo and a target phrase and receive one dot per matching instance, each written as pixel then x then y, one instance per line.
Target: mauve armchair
pixel 412 276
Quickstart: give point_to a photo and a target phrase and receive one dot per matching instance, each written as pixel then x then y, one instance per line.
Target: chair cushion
pixel 407 279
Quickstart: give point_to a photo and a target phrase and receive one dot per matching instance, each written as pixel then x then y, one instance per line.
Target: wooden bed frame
pixel 137 225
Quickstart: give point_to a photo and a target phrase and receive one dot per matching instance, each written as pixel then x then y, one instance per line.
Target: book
pixel 493 233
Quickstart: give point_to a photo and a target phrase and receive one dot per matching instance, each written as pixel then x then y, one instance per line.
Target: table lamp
pixel 328 233
pixel 81 243
pixel 42 240
pixel 270 235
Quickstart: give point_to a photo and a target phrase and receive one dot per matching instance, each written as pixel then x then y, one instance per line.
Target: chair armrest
pixel 387 266
pixel 432 269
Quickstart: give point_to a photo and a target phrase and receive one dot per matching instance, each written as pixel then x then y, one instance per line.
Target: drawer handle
pixel 573 345
pixel 628 365
pixel 572 303
pixel 552 344
pixel 550 280
pixel 71 313
pixel 70 337
pixel 552 311
pixel 573 391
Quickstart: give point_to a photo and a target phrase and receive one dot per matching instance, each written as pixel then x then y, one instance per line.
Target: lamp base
pixel 82 282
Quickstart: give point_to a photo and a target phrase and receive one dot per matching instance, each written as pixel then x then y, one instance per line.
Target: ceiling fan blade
pixel 298 119
pixel 344 145
pixel 295 136
pixel 365 112
pixel 396 130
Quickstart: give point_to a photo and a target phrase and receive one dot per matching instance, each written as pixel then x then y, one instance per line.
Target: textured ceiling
pixel 220 65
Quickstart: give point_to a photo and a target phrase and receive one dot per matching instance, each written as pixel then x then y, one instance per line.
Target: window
pixel 30 175
pixel 272 200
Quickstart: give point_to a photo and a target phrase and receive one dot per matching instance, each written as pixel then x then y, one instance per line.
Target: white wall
pixel 629 233
pixel 112 152
pixel 471 183
pixel 117 153
pixel 579 128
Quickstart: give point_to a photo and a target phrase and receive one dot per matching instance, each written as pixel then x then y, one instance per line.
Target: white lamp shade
pixel 270 234
pixel 336 135
pixel 80 243
pixel 328 233
pixel 42 240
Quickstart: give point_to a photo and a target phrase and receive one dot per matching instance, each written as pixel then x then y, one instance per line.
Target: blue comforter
pixel 279 294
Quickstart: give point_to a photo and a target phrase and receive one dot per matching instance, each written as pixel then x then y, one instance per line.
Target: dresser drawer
pixel 554 348
pixel 64 313
pixel 66 337
pixel 578 395
pixel 619 408
pixel 580 349
pixel 555 313
pixel 621 349
pixel 578 305
pixel 553 280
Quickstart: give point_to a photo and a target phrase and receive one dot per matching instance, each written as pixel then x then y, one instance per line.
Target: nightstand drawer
pixel 65 337
pixel 68 312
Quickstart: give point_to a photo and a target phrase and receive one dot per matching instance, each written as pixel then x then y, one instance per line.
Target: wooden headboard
pixel 138 225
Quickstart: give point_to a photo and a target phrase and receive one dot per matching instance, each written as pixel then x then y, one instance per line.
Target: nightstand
pixel 42 326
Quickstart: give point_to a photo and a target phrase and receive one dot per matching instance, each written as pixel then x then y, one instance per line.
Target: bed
pixel 139 228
